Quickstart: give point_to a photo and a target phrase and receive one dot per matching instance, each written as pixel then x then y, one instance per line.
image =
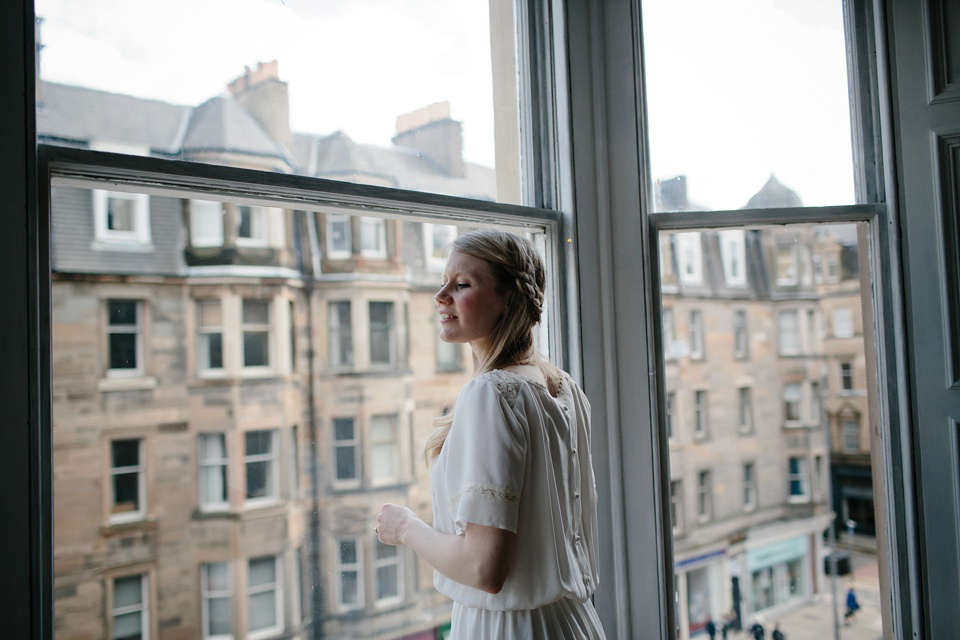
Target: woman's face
pixel 468 301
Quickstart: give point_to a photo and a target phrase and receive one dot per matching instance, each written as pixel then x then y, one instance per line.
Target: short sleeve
pixel 485 450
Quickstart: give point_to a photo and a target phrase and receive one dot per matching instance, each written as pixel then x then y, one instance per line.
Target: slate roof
pixel 223 124
pixel 79 116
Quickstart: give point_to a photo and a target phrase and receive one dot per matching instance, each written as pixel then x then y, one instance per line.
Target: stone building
pixel 749 344
pixel 238 387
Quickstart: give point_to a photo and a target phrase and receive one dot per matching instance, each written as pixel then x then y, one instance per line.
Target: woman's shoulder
pixel 503 383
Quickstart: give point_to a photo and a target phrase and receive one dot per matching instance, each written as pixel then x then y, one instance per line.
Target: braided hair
pixel 521 279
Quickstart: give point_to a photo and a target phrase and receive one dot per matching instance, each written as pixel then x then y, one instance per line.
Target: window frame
pixel 801 475
pixel 205 464
pixel 392 445
pixel 750 484
pixel 257 328
pixel 144 608
pixel 334 252
pixel 278 591
pixel 140 513
pixel 396 560
pixel 388 330
pixel 355 567
pixel 355 445
pixel 204 334
pixel 138 330
pixel 136 239
pixel 206 595
pixel 272 480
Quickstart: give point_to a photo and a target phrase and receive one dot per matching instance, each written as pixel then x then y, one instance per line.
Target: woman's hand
pixel 393 522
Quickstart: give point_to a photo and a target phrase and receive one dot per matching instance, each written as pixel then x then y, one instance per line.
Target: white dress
pixel 518 459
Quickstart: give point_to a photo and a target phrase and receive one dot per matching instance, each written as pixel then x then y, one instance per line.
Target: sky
pixel 736 91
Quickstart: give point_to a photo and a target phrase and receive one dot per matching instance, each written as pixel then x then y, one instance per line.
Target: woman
pixel 514 537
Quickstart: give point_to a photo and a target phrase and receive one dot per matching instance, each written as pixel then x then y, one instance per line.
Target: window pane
pixel 731 127
pixel 208 431
pixel 777 419
pixel 441 116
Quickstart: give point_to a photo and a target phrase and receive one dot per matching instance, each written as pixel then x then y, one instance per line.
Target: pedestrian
pixel 511 465
pixel 852 606
pixel 757 630
pixel 729 622
pixel 711 629
pixel 777 634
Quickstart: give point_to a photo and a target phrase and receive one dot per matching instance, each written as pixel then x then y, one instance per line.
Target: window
pixel 733 253
pixel 341 334
pixel 850 430
pixel 671 414
pixel 350 572
pixel 700 414
pixel 131 608
pixel 216 590
pixel 256 333
pixel 787 268
pixel 209 337
pixel 339 236
pixel 789 330
pixel 373 237
pixel 382 346
pixel 264 597
pixel 121 220
pixel 206 223
pixel 449 355
pixel 792 398
pixel 696 335
pixel 812 346
pixel 669 337
pixel 261 463
pixel 346 451
pixel 745 410
pixel 689 257
pixel 749 486
pixel 127 477
pixel 251 225
pixel 797 478
pixel 842 323
pixel 704 495
pixel 387 565
pixel 676 506
pixel 437 238
pixel 124 338
pixel 741 343
pixel 213 472
pixel 846 376
pixel 384 449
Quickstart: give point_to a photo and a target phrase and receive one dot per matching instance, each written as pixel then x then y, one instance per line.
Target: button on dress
pixel 517 458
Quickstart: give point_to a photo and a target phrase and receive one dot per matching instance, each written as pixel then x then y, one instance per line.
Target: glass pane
pixel 415 95
pixel 263 610
pixel 256 312
pixel 127 626
pixel 220 621
pixel 126 453
pixel 753 495
pixel 256 349
pixel 362 415
pixel 123 313
pixel 263 571
pixel 127 592
pixel 747 104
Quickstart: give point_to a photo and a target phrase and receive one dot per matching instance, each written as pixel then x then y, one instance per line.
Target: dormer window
pixel 206 223
pixel 121 220
pixel 373 237
pixel 251 226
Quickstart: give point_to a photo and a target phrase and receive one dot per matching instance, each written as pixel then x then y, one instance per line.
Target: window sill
pixel 139 383
pixel 799 499
pixel 128 526
pixel 126 246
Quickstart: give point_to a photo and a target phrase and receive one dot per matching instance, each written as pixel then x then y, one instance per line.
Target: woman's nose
pixel 442 294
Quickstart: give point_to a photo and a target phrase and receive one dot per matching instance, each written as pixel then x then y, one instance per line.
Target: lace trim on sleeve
pixel 493 493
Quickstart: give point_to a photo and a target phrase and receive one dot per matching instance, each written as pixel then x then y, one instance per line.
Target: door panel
pixel 924 52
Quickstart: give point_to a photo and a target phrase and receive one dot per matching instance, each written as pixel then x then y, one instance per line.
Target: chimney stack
pixel 266 97
pixel 432 133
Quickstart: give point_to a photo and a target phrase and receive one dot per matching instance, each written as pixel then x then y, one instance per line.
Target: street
pixel 815 620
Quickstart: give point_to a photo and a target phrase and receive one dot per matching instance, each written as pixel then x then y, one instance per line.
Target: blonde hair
pixel 521 279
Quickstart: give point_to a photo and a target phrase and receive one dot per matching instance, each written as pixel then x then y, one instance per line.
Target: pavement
pixel 815 619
